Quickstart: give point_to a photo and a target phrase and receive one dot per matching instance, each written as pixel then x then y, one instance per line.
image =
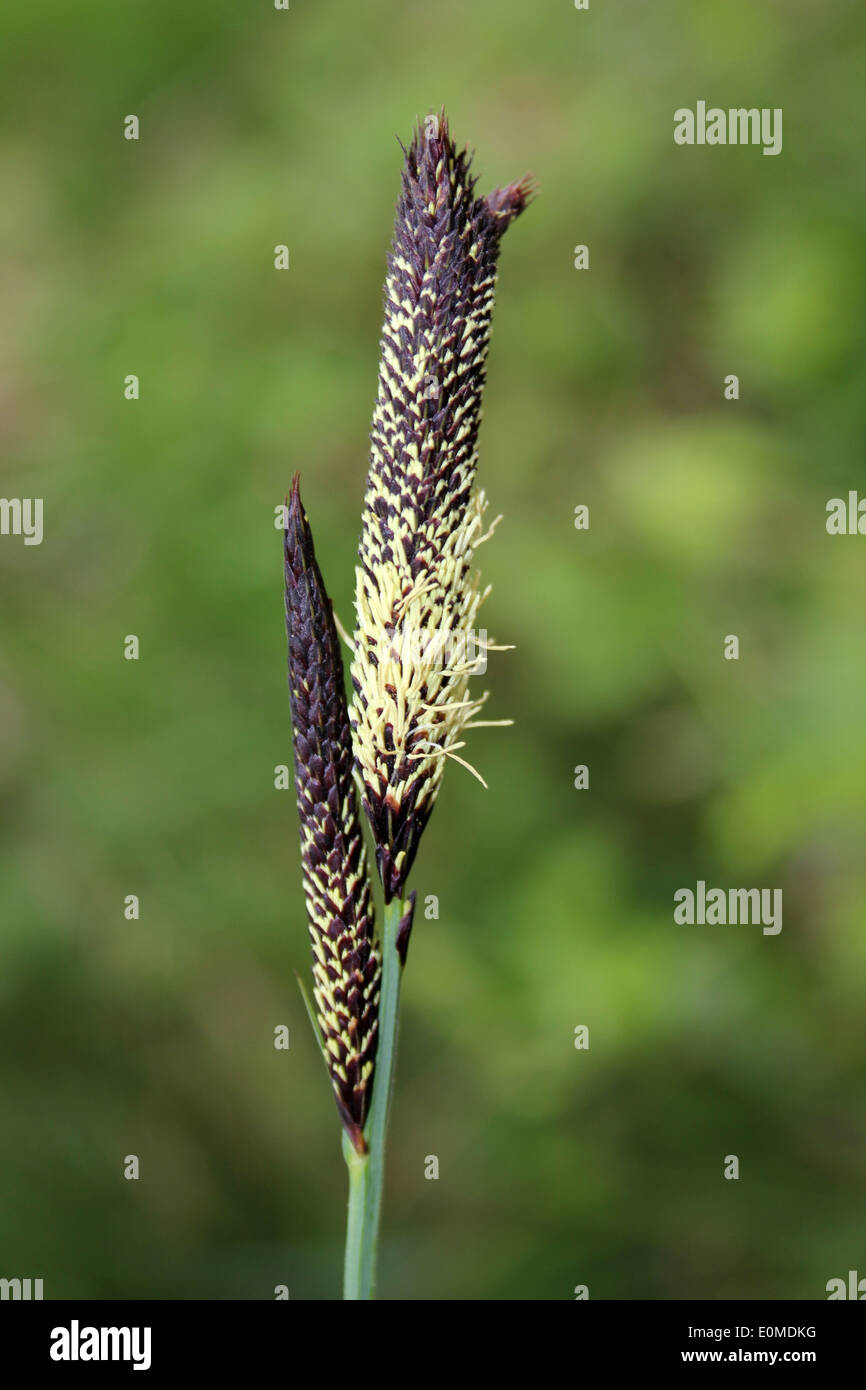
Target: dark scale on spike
pixel 346 963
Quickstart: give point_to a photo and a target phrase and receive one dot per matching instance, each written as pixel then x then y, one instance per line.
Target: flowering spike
pixel 416 595
pixel 346 962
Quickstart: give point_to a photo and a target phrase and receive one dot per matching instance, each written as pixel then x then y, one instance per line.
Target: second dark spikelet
pixel 346 961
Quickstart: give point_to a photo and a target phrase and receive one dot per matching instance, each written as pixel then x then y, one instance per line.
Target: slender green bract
pixel 367 1171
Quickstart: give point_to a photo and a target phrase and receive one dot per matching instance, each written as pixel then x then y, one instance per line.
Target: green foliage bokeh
pixel 557 1167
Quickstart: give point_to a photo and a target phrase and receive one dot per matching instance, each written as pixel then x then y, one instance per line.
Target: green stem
pixel 367 1171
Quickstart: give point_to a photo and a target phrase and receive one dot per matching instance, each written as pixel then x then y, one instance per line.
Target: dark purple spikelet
pixel 422 513
pixel 346 962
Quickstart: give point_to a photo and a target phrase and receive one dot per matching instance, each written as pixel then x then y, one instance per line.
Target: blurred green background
pixel 557 1167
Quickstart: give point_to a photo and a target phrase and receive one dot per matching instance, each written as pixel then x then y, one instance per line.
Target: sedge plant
pixel 417 596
